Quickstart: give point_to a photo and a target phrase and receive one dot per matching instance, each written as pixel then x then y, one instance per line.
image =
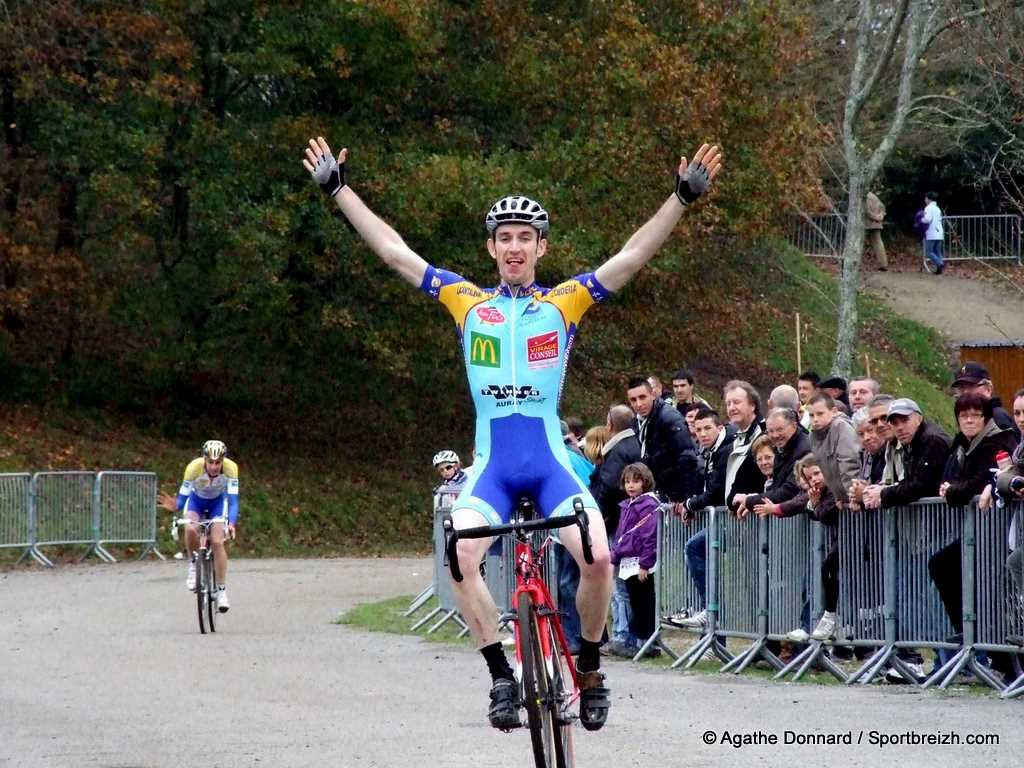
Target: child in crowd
pixel 635 550
pixel 822 507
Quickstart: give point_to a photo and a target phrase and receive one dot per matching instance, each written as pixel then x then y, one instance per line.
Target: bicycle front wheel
pixel 211 593
pixel 547 734
pixel 202 588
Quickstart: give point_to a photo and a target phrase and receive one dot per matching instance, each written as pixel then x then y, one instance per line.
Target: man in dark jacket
pixel 716 444
pixel 665 443
pixel 621 450
pixel 791 443
pixel 925 450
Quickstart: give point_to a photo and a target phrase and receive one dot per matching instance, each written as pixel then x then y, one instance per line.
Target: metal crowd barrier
pixel 89 509
pixel 123 502
pixel 445 500
pixel 674 590
pixel 819 235
pixel 16 512
pixel 982 237
pixel 765 576
pixel 63 510
pixel 800 555
pixel 989 237
pixel 441 585
pixel 764 579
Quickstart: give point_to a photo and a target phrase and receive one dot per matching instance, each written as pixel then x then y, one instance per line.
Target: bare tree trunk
pixel 912 24
pixel 853 250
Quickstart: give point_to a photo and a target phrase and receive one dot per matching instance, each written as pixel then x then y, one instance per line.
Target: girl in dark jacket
pixel 968 471
pixel 636 547
pixel 820 505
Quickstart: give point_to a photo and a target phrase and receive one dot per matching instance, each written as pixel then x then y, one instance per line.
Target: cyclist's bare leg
pixel 191 533
pixel 471 594
pixel 595 590
pixel 592 599
pixel 220 553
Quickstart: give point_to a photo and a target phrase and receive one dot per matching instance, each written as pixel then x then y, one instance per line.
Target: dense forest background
pixel 166 262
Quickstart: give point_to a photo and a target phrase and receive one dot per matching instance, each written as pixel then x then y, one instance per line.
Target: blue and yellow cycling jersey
pixel 516 345
pixel 210 496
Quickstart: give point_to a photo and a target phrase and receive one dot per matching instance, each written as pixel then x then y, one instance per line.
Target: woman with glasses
pixel 968 471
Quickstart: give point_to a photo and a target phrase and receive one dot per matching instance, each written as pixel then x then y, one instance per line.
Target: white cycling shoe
pixel 222 600
pixel 190 579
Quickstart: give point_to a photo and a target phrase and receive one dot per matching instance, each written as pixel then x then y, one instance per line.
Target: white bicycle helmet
pixel 516 209
pixel 446 457
pixel 214 450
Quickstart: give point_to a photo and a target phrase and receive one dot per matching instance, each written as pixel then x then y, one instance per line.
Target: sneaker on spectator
pixel 625 650
pixel 798 635
pixel 190 579
pixel 222 600
pixel 917 670
pixel 826 628
pixel 677 619
pixel 697 621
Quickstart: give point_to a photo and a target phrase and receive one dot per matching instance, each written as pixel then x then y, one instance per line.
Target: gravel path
pixel 102 666
pixel 962 309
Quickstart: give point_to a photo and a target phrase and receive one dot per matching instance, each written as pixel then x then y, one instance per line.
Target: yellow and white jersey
pixel 197 482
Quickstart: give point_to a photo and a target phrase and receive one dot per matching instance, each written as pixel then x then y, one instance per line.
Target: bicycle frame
pixel 529 564
pixel 205 588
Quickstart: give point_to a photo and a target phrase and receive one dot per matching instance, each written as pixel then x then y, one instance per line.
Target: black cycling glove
pixel 692 183
pixel 329 174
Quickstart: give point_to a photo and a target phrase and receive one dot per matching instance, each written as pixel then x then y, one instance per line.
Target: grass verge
pixel 387 616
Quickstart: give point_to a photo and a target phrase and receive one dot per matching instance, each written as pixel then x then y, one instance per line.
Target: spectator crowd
pixel 824 448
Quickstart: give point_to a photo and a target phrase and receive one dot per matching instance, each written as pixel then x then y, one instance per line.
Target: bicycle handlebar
pixel 178 522
pixel 452 534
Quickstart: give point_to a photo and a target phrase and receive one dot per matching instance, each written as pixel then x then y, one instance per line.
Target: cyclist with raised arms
pixel 208 489
pixel 516 339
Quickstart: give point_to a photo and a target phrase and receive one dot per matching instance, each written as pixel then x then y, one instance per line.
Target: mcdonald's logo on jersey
pixel 484 350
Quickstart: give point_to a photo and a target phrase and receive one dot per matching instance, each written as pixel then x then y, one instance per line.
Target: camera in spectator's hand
pixel 1017 484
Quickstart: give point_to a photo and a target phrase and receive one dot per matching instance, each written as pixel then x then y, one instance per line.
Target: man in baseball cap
pixel 974 377
pixel 903 406
pixel 925 449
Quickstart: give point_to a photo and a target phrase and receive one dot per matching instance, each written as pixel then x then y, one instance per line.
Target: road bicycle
pixel 206 587
pixel 544 667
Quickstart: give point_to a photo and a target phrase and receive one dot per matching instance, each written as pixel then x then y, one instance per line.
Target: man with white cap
pixel 925 450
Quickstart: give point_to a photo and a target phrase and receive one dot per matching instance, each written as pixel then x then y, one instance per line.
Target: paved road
pixel 102 666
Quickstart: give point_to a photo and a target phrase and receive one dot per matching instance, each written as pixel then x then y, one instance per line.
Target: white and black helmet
pixel 446 457
pixel 516 209
pixel 214 450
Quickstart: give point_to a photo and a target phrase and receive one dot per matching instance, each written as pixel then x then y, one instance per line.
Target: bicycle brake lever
pixel 451 554
pixel 584 524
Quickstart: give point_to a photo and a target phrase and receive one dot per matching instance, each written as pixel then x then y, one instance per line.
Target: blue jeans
pixel 622 614
pixel 933 252
pixel 568 583
pixel 697 563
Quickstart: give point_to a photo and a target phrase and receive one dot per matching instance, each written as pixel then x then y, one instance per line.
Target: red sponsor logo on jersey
pixel 542 350
pixel 490 315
